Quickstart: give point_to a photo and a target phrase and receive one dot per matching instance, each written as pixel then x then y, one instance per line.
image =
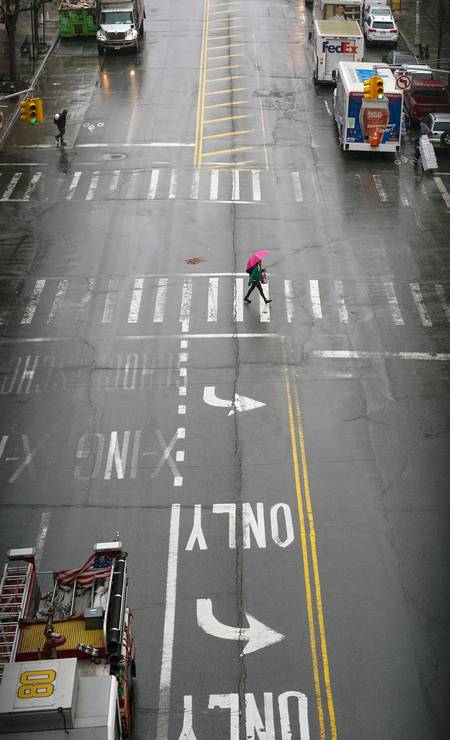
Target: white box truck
pixel 367 124
pixel 335 42
pixel 120 24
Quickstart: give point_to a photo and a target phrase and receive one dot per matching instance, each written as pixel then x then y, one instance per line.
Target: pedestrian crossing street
pixel 203 302
pixel 250 186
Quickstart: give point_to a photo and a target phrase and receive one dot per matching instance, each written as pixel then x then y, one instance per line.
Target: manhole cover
pixel 194 260
pixel 114 156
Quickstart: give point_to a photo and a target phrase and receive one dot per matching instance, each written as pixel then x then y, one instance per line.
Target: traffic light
pixel 378 87
pixel 32 111
pixel 368 88
pixel 24 111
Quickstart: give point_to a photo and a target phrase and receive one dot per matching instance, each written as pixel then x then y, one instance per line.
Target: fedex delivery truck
pixel 334 42
pixel 336 10
pixel 367 124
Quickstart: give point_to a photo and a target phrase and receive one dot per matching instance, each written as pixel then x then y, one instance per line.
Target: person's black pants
pixel 256 284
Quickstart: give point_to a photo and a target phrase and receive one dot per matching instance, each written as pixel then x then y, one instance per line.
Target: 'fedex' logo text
pixel 345 47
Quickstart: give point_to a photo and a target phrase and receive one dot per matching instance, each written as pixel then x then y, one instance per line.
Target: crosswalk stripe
pixel 73 185
pixel 289 295
pixel 213 291
pixel 110 301
pixel 214 185
pixel 420 305
pixel 33 182
pixel 173 184
pixel 160 301
pixel 132 187
pixel 264 311
pixel 314 292
pixel 297 186
pixel 195 187
pixel 238 300
pixel 153 185
pixel 380 189
pixel 11 186
pixel 393 304
pixel 404 200
pixel 114 184
pixel 235 191
pixel 136 297
pixel 31 306
pixel 185 308
pixel 256 184
pixel 58 300
pixel 93 185
pixel 342 308
pixel 443 300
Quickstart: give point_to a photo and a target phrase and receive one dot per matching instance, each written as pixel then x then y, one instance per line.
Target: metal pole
pixel 417 36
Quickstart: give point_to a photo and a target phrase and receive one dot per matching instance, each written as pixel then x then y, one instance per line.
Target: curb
pixel 34 79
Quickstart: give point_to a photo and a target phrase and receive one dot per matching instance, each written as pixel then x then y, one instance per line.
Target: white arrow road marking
pixel 240 403
pixel 257 635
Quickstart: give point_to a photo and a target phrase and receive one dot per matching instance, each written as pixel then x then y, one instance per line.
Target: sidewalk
pixel 28 70
pixel 405 14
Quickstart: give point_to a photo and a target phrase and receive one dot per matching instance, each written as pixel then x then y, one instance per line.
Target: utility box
pixel 77 19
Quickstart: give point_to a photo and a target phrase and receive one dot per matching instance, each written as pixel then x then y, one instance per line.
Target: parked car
pixel 399 58
pixel 379 25
pixel 438 129
pixel 425 96
pixel 416 71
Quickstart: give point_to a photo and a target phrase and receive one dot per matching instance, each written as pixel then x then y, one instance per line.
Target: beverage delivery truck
pixel 334 42
pixel 367 107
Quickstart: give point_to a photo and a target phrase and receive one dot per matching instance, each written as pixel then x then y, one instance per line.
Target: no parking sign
pixel 403 82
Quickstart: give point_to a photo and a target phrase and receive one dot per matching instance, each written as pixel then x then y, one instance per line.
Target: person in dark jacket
pixel 60 123
pixel 254 280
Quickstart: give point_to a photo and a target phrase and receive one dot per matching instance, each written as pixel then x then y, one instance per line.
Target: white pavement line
pixel 195 187
pixel 342 308
pixel 297 186
pixel 162 729
pixel 181 409
pixel 32 303
pixel 7 306
pixel 11 185
pixel 92 185
pixel 316 187
pixel 160 301
pixel 327 107
pixel 153 185
pixel 404 200
pixel 73 185
pixel 88 295
pixel 173 184
pixel 393 304
pixel 58 301
pixel 316 305
pixel 213 289
pixel 110 301
pixel 144 337
pixel 363 355
pixel 380 189
pixel 420 305
pixel 114 184
pixel 117 146
pixel 235 190
pixel 132 187
pixel 185 308
pixel 31 187
pixel 443 190
pixel 214 185
pixel 41 537
pixel 443 299
pixel 136 297
pixel 256 184
pixel 289 295
pixel 264 310
pixel 238 300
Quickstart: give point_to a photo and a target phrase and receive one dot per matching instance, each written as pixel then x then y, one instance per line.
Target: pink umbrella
pixel 256 257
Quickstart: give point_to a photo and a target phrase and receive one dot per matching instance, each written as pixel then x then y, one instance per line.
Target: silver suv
pixel 437 127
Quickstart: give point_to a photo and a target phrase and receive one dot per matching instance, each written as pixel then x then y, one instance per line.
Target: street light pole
pixel 417 36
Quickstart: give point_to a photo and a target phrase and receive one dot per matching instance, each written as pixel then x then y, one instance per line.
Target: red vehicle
pixel 425 96
pixel 67 650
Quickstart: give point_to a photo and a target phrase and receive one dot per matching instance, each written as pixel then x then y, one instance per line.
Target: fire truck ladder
pixel 14 591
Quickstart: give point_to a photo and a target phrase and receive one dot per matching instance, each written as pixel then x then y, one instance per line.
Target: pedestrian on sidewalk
pixel 256 275
pixel 60 122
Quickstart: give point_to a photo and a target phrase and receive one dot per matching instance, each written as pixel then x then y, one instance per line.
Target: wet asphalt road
pixel 323 512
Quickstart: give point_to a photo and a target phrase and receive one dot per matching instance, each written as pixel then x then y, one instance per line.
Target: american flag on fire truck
pixel 95 567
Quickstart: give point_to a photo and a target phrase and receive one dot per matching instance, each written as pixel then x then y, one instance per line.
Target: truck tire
pixel 445 139
pixel 100 50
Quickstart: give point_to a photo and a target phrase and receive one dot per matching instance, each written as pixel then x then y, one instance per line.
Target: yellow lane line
pixel 220 12
pixel 202 74
pixel 226 27
pixel 225 105
pixel 218 5
pixel 229 133
pixel 225 56
pixel 226 66
pixel 227 118
pixel 228 151
pixel 313 548
pixel 226 36
pixel 227 46
pixel 202 109
pixel 239 164
pixel 304 549
pixel 228 77
pixel 228 90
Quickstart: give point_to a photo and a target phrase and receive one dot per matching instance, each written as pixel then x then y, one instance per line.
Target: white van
pixel 334 42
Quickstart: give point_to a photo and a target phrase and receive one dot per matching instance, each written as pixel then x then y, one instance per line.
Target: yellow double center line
pixel 313 591
pixel 201 89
